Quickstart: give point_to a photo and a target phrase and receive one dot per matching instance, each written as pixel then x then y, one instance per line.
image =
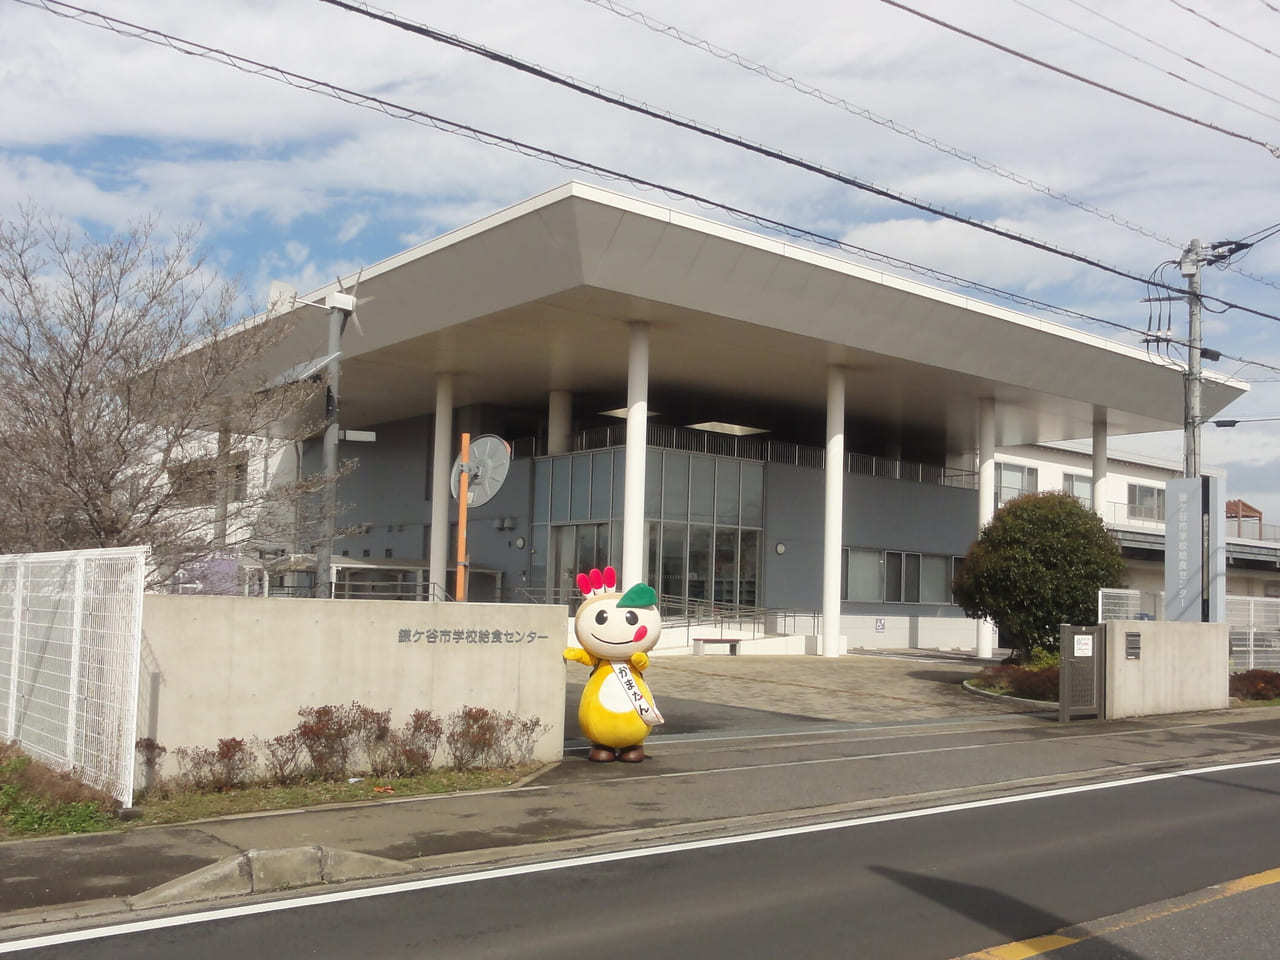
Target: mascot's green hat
pixel 641 595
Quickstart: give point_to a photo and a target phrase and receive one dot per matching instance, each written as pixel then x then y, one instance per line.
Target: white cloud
pixel 295 186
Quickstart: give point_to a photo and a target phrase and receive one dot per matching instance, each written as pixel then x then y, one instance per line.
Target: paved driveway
pixel 723 693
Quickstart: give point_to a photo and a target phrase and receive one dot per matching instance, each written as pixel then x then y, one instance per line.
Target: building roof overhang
pixel 539 297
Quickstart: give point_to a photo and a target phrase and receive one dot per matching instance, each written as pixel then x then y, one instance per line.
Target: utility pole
pixel 1190 266
pixel 338 312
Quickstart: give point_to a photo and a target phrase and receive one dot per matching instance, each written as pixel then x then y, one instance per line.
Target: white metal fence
pixel 1255 633
pixel 70 634
pixel 1130 605
pixel 1253 623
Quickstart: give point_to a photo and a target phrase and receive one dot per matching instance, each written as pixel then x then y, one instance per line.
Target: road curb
pixel 267 871
pixel 1045 706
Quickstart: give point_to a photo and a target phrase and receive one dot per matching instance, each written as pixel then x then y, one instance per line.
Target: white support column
pixel 1099 459
pixel 986 498
pixel 559 422
pixel 637 435
pixel 442 464
pixel 833 525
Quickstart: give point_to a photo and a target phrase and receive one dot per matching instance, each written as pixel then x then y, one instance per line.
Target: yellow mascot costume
pixel 617 631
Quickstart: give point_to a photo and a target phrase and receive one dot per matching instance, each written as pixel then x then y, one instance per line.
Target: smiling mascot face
pixel 609 628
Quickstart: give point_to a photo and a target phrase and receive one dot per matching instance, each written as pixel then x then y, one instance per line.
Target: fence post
pixel 12 731
pixel 1253 632
pixel 73 677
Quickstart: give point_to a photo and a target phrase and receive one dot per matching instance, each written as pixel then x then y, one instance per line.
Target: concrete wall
pixel 215 667
pixel 909 633
pixel 1182 668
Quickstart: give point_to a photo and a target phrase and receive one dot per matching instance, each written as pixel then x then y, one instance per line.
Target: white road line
pixel 746 768
pixel 343 896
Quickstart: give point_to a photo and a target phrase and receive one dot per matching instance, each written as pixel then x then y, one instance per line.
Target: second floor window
pixel 1013 480
pixel 1079 486
pixel 1146 503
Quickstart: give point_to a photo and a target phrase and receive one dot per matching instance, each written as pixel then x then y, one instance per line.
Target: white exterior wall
pixel 1053 462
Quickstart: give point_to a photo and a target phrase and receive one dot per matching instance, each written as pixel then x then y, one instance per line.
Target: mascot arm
pixel 640 661
pixel 578 655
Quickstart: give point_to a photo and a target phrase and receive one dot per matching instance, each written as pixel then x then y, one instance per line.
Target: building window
pixel 864 575
pixel 1013 480
pixel 901 577
pixel 935 579
pixel 1146 503
pixel 1079 486
pixel 195 482
pixel 703 517
pixel 897 576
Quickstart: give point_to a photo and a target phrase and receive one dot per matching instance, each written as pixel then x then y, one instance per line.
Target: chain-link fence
pixel 70 633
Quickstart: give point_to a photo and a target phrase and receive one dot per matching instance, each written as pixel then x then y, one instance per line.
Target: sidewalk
pixel 751 742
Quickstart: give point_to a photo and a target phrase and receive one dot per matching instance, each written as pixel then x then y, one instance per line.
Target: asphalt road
pixel 907 886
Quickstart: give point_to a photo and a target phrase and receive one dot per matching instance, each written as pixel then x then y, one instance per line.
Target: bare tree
pixel 129 411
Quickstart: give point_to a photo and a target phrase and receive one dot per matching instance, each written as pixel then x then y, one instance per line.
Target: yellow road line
pixel 1022 949
pixel 1065 937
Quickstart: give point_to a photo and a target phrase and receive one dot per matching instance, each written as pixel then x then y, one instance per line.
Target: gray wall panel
pixel 883 514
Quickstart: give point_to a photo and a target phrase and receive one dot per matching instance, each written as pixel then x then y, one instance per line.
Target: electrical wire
pixel 135 31
pixel 987 41
pixel 505 59
pixel 422 30
pixel 1146 63
pixel 1225 29
pixel 864 113
pixel 1258 235
pixel 1167 49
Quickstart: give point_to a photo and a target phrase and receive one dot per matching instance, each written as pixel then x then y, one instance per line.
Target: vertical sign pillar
pixel 1195 553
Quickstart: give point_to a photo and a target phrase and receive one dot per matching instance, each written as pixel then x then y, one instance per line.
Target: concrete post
pixel 633 541
pixel 986 499
pixel 329 522
pixel 1099 460
pixel 559 422
pixel 441 465
pixel 833 525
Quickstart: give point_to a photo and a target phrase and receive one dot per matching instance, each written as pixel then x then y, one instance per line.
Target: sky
pixel 103 130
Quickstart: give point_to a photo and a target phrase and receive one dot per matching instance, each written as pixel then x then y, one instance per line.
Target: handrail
pixel 775 451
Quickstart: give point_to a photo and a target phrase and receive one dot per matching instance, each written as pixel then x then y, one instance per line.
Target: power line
pixel 1225 29
pixel 1146 63
pixel 619 100
pixel 614 99
pixel 733 57
pixel 730 56
pixel 1270 148
pixel 1167 49
pixel 397 111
